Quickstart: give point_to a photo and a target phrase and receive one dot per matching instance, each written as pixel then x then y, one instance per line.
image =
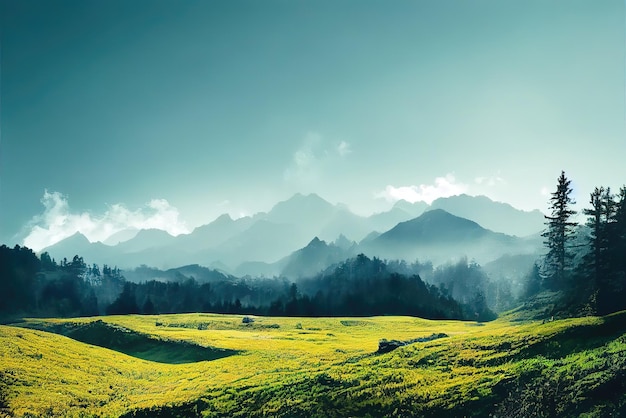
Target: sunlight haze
pixel 230 107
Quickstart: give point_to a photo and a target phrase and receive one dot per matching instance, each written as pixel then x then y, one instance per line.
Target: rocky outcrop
pixel 385 346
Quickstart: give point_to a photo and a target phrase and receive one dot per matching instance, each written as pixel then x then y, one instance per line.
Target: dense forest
pixel 358 286
pixel 584 266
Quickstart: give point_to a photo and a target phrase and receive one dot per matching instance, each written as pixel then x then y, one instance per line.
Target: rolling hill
pixel 314 367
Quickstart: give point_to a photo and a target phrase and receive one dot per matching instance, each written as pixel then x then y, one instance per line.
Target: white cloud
pixel 343 149
pixel 58 222
pixel 302 165
pixel 442 187
pixel 493 180
pixel 314 156
pixel 544 191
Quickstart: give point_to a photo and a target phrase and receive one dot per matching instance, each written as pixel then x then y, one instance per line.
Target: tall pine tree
pixel 558 234
pixel 596 221
pixel 612 288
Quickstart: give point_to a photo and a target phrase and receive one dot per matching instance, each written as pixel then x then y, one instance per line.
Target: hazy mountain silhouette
pixel 434 226
pixel 152 247
pixel 258 244
pixel 145 239
pixel 511 267
pixel 414 209
pixel 496 216
pixel 346 223
pixel 438 236
pixel 369 238
pixel 263 241
pixel 315 257
pixel 400 212
pixel 287 227
pixel 300 209
pixel 308 261
pixel 257 269
pixel 199 273
pixel 343 242
pixel 315 216
pixel 121 236
pixel 78 244
pixel 213 234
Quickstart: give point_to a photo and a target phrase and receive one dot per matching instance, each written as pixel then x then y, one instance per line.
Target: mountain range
pixel 439 236
pixel 303 234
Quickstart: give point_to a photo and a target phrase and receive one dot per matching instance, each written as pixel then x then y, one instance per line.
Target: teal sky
pixel 230 106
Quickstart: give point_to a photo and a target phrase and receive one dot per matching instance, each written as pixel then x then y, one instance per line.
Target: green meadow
pixel 218 365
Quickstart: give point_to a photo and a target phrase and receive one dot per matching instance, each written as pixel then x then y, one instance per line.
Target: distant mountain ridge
pixel 263 241
pixel 314 258
pixel 145 239
pixel 497 216
pixel 433 226
pixel 438 236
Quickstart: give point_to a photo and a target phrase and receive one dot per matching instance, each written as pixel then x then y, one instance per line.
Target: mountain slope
pixel 199 273
pixel 214 233
pixel 78 244
pixel 121 236
pixel 305 262
pixel 300 209
pixel 291 224
pixel 434 226
pixel 146 239
pixel 264 241
pixel 313 258
pixel 496 216
pixel 400 212
pixel 315 216
pixel 438 236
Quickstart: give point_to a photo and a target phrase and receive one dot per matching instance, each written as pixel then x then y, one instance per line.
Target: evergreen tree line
pixel 360 286
pixel 356 287
pixel 586 263
pixel 39 286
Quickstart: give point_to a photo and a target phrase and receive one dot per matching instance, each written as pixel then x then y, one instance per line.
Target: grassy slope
pixel 325 367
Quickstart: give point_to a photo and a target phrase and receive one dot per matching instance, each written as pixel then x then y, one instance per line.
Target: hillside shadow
pixel 135 344
pixel 579 338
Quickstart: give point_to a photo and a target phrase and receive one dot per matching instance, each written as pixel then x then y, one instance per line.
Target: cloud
pixel 58 222
pixel 303 167
pixel 490 181
pixel 313 158
pixel 343 149
pixel 442 187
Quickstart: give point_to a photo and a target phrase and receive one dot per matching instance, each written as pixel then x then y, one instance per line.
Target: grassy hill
pixel 312 367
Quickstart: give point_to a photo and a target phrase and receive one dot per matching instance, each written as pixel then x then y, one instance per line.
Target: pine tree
pixel 618 232
pixel 597 239
pixel 612 294
pixel 533 281
pixel 148 307
pixel 558 233
pixel 615 218
pixel 125 303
